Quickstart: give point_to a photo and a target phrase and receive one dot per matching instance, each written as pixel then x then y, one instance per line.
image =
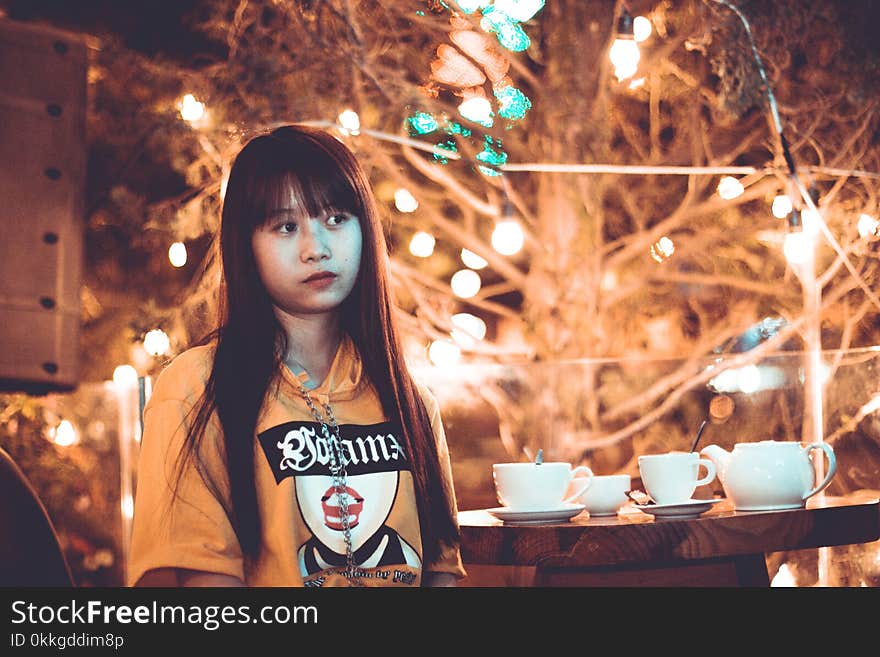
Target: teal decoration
pixel 448 145
pixel 422 123
pixel 490 156
pixel 508 32
pixel 454 128
pixel 514 103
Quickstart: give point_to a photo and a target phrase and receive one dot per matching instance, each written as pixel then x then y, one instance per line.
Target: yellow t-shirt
pixel 302 537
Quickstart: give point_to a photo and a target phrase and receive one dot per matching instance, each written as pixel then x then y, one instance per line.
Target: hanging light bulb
pixel 465 283
pixel 349 121
pixel 810 219
pixel 624 51
pixel 191 110
pixel 422 244
pixel 508 238
pixel 468 329
pixel 642 28
pixel 157 343
pixel 177 254
pixel 796 245
pixel 729 188
pixel 868 226
pixel 472 260
pixel 781 206
pixel 404 201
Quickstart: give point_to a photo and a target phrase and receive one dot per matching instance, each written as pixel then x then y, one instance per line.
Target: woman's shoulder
pixel 427 396
pixel 185 375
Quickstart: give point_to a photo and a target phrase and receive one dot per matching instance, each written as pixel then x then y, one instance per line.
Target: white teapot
pixel 769 474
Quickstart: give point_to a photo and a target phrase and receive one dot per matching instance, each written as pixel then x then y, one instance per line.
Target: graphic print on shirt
pixel 375 460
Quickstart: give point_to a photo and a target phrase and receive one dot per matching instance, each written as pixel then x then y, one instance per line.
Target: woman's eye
pixel 287 227
pixel 338 218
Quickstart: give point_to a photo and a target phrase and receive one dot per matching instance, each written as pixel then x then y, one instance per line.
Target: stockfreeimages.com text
pixel 210 617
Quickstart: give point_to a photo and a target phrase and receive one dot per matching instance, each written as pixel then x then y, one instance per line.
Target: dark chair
pixel 30 553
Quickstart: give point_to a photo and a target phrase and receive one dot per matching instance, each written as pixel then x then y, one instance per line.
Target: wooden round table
pixel 722 547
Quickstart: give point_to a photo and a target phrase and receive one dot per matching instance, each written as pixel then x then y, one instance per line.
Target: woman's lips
pixel 320 281
pixel 332 511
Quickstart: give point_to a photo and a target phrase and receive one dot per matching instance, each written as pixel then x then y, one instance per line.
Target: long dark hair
pixel 251 343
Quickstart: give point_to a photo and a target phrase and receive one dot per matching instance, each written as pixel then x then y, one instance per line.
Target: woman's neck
pixel 312 341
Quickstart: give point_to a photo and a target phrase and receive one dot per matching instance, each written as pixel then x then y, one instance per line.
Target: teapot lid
pixel 768 443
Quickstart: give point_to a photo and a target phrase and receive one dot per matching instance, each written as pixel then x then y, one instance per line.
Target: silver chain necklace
pixel 338 470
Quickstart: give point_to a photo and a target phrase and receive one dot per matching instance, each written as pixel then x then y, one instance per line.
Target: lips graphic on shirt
pixel 333 512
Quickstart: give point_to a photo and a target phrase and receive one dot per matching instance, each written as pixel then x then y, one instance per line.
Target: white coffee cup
pixel 605 495
pixel 538 487
pixel 672 478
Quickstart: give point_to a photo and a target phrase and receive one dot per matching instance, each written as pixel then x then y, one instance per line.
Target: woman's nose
pixel 313 243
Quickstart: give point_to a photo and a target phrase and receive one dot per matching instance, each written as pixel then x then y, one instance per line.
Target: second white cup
pixel 605 495
pixel 672 478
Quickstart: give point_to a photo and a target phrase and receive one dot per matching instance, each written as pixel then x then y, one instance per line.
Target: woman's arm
pixel 440 579
pixel 201 578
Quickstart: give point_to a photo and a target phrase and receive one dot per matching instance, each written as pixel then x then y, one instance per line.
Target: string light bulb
pixel 444 353
pixel 868 226
pixel 729 188
pixel 662 249
pixel 177 254
pixel 65 434
pixel 469 329
pixel 422 244
pixel 157 343
pixel 478 110
pixel 125 376
pixel 642 28
pixel 781 206
pixel 349 121
pixel 472 260
pixel 624 53
pixel 404 201
pixel 466 283
pixel 191 110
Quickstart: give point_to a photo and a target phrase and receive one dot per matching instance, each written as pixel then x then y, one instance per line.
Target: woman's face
pixel 308 264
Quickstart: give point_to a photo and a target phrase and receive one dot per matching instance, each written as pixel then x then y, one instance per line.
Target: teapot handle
pixel 832 466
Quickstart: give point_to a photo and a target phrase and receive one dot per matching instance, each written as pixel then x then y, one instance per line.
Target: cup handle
pixel 581 469
pixel 832 465
pixel 710 472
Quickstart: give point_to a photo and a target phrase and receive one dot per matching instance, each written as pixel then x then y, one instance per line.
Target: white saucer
pixel 689 509
pixel 559 514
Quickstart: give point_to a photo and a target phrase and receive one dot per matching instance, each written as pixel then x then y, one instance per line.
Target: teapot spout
pixel 719 456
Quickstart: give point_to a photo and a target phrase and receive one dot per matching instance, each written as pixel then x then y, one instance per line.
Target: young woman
pixel 293 447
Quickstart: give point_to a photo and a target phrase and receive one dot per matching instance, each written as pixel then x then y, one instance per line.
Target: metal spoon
pixel 699 433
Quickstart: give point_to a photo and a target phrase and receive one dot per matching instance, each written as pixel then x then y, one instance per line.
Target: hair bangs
pixel 305 191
